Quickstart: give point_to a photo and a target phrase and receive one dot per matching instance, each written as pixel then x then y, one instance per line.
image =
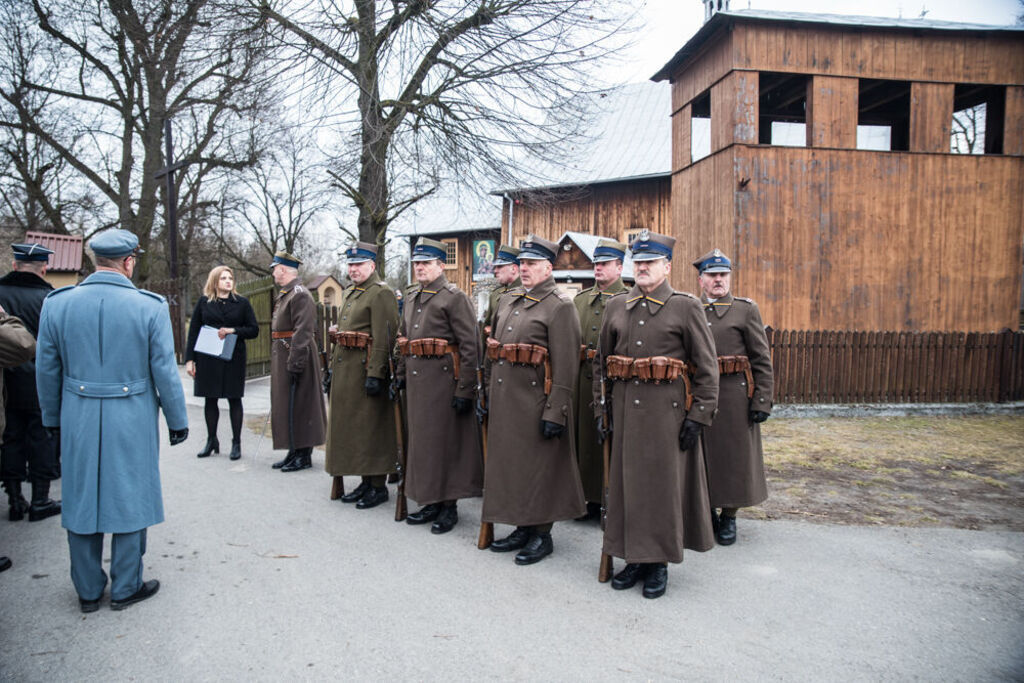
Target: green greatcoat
pixel 361 429
pixel 590 305
pixel 492 304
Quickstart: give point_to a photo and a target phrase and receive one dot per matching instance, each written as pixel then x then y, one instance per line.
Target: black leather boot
pixel 514 541
pixel 287 459
pixel 212 446
pixel 715 521
pixel 42 506
pixel 236 450
pixel 425 515
pixel 18 505
pixel 356 494
pixel 536 549
pixel 628 577
pixel 372 498
pixel 303 460
pixel 726 531
pixel 656 580
pixel 446 520
pixel 5 563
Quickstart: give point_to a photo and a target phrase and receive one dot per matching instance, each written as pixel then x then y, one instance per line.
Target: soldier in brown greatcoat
pixel 361 438
pixel 506 270
pixel 531 479
pixel 439 360
pixel 590 305
pixel 732 445
pixel 296 402
pixel 659 360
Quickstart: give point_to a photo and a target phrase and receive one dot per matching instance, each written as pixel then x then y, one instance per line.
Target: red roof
pixel 67 250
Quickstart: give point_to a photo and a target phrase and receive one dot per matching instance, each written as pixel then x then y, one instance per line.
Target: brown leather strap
pixel 655 369
pixel 285 334
pixel 730 365
pixel 522 354
pixel 587 354
pixel 431 347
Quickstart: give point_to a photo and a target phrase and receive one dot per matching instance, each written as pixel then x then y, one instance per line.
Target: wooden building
pixel 874 218
pixel 613 184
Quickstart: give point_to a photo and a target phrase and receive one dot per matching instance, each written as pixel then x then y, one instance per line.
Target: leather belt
pixel 587 354
pixel 655 369
pixel 430 347
pixel 285 334
pixel 352 340
pixel 732 365
pixel 522 354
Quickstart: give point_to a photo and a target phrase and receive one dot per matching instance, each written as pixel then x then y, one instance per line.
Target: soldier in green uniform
pixel 732 444
pixel 590 303
pixel 506 269
pixel 361 435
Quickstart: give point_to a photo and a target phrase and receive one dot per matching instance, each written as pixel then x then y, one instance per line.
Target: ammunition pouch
pixel 655 369
pixel 522 354
pixel 430 347
pixel 731 365
pixel 354 340
pixel 587 354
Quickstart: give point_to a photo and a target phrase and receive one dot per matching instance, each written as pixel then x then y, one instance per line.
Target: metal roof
pixel 450 212
pixel 67 250
pixel 630 139
pixel 886 23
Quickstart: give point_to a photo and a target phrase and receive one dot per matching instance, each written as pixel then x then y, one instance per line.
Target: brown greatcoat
pixel 361 438
pixel 444 461
pixel 657 495
pixel 732 445
pixel 495 296
pixel 590 305
pixel 295 311
pixel 530 480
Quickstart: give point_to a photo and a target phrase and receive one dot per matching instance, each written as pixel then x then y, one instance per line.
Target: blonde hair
pixel 213 279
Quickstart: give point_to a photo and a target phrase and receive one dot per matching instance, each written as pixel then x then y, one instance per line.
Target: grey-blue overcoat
pixel 104 366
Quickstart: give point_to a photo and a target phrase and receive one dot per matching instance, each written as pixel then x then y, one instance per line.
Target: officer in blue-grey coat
pixel 104 366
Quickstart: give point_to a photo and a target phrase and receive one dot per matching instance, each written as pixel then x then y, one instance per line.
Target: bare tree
pixel 968 130
pixel 428 90
pixel 116 70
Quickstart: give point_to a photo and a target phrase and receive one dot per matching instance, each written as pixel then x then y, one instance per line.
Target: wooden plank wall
pixel 832 112
pixel 734 110
pixel 859 240
pixel 1013 130
pixel 607 209
pixel 992 58
pixel 931 116
pixel 822 366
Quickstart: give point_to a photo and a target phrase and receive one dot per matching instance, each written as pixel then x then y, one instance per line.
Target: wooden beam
pixel 931 116
pixel 682 138
pixel 734 105
pixel 1013 126
pixel 832 112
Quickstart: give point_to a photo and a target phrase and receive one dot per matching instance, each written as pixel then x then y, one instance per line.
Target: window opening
pixel 782 115
pixel 883 115
pixel 978 115
pixel 700 127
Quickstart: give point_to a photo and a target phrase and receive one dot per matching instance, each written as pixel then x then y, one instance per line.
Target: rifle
pixel 401 507
pixel 486 536
pixel 604 572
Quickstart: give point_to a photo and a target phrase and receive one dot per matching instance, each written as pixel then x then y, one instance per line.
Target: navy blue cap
pixel 285 259
pixel 427 249
pixel 115 243
pixel 361 252
pixel 649 246
pixel 713 262
pixel 609 250
pixel 31 252
pixel 534 247
pixel 507 256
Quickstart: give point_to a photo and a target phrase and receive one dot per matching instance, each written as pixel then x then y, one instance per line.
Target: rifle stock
pixel 604 571
pixel 486 535
pixel 401 506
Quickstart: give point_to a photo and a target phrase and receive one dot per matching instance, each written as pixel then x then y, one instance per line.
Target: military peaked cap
pixel 713 262
pixel 31 252
pixel 649 246
pixel 361 252
pixel 285 259
pixel 507 256
pixel 534 247
pixel 115 243
pixel 609 250
pixel 427 249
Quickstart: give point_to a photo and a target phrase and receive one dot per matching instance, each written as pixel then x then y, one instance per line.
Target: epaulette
pixel 624 291
pixel 412 288
pixel 517 291
pixel 452 287
pixel 158 297
pixel 743 298
pixel 300 288
pixel 588 290
pixel 677 293
pixel 59 290
pixel 562 295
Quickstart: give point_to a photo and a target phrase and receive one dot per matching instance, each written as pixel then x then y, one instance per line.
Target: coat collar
pixel 356 290
pixel 425 292
pixel 108 277
pixel 655 300
pixel 19 278
pixel 614 288
pixel 720 307
pixel 538 293
pixel 512 285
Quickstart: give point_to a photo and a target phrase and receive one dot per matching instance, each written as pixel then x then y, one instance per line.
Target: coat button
pixel 499 380
pixel 641 322
pixel 509 328
pixel 501 362
pixel 414 372
pixel 639 343
pixel 444 367
pixel 419 310
pixel 515 313
pixel 636 401
pixel 416 326
pixel 548 405
pixel 594 327
pixel 675 404
pixel 81 387
pixel 761 400
pixel 533 383
pixel 125 388
pixel 700 407
pixel 636 381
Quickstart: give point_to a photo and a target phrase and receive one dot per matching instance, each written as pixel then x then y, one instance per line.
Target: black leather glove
pixel 688 434
pixel 461 405
pixel 395 388
pixel 294 376
pixel 550 430
pixel 53 432
pixel 757 416
pixel 603 430
pixel 178 435
pixel 326 381
pixel 374 386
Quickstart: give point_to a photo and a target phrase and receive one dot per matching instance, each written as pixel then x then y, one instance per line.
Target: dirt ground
pixel 951 471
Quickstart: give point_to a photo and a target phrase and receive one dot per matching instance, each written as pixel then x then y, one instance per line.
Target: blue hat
pixel 427 249
pixel 534 247
pixel 31 252
pixel 713 262
pixel 506 256
pixel 285 259
pixel 649 246
pixel 115 243
pixel 609 250
pixel 361 252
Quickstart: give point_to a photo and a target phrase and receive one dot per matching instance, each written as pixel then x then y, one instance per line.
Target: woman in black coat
pixel 221 307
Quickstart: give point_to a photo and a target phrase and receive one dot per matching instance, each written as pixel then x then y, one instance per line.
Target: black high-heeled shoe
pixel 212 446
pixel 236 450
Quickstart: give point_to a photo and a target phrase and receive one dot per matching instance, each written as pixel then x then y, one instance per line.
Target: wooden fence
pixel 260 293
pixel 897 367
pixel 171 290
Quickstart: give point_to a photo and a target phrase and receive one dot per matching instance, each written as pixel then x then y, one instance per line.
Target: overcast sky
pixel 670 23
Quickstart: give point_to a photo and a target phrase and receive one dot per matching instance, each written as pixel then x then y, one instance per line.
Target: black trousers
pixel 28 453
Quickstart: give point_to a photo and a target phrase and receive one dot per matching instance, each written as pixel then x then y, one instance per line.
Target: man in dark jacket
pixel 28 452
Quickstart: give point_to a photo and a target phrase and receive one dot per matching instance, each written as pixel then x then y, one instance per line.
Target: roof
pixel 67 250
pixel 587 243
pixel 319 280
pixel 448 212
pixel 631 139
pixel 720 19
